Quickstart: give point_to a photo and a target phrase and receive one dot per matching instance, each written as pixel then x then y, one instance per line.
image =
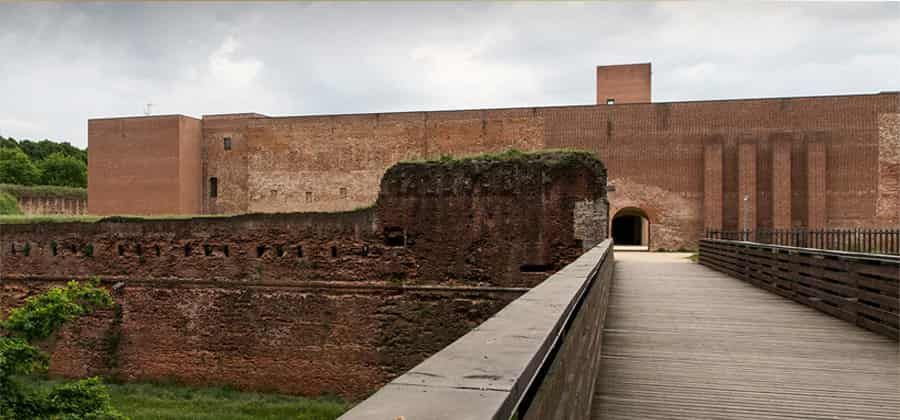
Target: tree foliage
pixel 44 162
pixel 64 170
pixel 40 317
pixel 17 168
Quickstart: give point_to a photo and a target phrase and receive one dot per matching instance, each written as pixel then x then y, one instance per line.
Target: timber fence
pixel 877 241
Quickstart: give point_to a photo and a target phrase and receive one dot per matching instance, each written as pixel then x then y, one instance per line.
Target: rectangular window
pixel 343 192
pixel 227 143
pixel 610 101
pixel 214 187
pixel 308 196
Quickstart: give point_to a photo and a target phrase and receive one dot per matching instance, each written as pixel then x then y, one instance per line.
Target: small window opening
pixel 74 249
pixel 279 250
pixel 226 143
pixel 88 250
pixel 53 248
pixel 213 187
pixel 121 249
pixel 26 250
pixel 187 250
pixel 308 196
pixel 535 268
pixel 260 251
pixel 225 250
pixel 157 250
pixel 207 250
pixel 365 250
pixel 12 249
pixel 139 249
pixel 394 236
pixel 299 251
pixel 610 101
pixel 343 192
pixel 333 251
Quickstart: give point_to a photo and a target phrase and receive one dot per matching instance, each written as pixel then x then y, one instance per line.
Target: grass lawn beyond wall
pixel 144 401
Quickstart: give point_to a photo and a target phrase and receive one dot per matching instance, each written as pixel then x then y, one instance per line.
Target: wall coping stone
pixel 486 373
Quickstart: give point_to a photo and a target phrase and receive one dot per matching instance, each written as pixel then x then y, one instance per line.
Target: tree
pixel 63 170
pixel 41 316
pixel 40 150
pixel 16 168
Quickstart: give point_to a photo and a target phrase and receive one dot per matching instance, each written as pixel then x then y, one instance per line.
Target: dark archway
pixel 630 226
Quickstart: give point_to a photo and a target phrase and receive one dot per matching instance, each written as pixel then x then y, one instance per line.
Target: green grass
pixel 8 204
pixel 694 257
pixel 146 401
pixel 44 191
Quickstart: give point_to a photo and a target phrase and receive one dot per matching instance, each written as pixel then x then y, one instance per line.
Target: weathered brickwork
pixel 52 205
pixel 822 162
pixel 313 303
pixel 888 204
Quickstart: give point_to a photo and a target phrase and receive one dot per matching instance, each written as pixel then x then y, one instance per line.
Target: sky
pixel 64 63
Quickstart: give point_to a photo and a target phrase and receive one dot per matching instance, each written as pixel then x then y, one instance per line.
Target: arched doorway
pixel 631 227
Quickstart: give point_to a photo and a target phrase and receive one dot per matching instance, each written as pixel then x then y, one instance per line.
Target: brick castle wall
pixel 312 303
pixel 655 154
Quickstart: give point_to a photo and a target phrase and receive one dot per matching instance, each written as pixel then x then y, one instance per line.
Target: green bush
pixel 63 170
pixel 40 317
pixel 8 204
pixel 17 168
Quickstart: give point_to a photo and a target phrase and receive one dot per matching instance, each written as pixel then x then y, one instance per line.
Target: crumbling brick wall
pixel 313 303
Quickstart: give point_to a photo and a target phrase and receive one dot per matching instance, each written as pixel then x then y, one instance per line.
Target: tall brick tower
pixel 623 84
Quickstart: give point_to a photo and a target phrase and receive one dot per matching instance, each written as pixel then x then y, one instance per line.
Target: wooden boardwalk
pixel 685 342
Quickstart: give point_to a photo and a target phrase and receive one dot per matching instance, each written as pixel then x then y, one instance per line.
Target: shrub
pixel 40 317
pixel 8 204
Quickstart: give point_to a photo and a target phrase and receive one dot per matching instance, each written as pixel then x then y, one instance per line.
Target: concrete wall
pixel 538 358
pixel 313 303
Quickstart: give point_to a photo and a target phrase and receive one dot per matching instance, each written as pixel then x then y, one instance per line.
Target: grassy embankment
pixel 146 401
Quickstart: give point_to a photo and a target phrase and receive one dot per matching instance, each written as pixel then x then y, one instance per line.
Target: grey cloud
pixel 67 62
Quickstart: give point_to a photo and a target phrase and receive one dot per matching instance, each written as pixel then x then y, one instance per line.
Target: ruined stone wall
pixel 313 303
pixel 654 154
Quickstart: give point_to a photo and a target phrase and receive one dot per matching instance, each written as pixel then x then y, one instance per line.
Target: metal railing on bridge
pixel 878 241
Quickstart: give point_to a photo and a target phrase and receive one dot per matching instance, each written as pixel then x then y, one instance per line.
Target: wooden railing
pixel 878 241
pixel 858 288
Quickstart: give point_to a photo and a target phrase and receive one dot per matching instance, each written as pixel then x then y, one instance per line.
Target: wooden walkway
pixel 685 342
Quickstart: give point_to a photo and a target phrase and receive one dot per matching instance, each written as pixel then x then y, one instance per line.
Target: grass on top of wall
pixel 8 204
pixel 558 156
pixel 44 191
pixel 148 401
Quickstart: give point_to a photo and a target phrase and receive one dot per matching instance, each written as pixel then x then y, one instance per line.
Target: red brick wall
pixel 143 165
pixel 313 303
pixel 626 83
pixel 654 153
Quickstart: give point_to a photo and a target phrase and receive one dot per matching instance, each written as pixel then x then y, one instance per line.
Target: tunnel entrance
pixel 631 227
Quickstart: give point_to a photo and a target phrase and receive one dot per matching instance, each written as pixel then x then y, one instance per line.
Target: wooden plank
pixel 683 341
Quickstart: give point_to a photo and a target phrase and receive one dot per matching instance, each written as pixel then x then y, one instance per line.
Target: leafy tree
pixel 63 170
pixel 41 316
pixel 40 150
pixel 16 168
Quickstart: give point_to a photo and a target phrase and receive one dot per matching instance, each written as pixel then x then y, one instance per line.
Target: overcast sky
pixel 64 63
